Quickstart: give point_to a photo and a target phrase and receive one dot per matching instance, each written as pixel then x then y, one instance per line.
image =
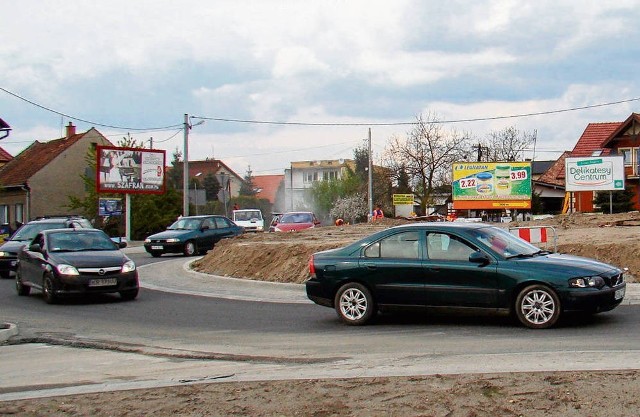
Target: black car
pixel 459 266
pixel 192 235
pixel 10 248
pixel 63 262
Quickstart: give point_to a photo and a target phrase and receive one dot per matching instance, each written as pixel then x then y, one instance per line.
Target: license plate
pixel 619 294
pixel 156 247
pixel 103 282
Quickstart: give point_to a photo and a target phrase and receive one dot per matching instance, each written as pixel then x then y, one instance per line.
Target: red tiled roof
pixel 268 186
pixel 555 175
pixel 209 166
pixel 593 138
pixel 5 156
pixel 33 159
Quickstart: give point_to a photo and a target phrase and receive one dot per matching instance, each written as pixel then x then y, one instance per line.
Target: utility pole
pixel 370 178
pixel 185 168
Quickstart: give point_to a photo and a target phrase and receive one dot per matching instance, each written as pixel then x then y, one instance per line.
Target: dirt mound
pixel 284 257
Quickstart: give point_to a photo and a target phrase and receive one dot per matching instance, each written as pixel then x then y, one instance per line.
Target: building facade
pixel 301 175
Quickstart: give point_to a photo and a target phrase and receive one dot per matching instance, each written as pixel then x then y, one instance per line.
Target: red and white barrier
pixel 536 235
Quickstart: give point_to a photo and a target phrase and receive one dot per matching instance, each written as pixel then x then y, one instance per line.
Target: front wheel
pixel 538 307
pixel 48 290
pixel 156 254
pixel 190 248
pixel 22 289
pixel 354 304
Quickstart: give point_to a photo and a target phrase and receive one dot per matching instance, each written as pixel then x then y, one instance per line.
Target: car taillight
pixel 312 268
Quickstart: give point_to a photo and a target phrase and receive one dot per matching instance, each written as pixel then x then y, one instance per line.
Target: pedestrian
pixel 236 206
pixel 378 214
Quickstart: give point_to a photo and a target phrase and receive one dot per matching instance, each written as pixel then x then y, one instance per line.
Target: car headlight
pixel 4 254
pixel 587 282
pixel 173 240
pixel 129 266
pixel 64 269
pixel 147 240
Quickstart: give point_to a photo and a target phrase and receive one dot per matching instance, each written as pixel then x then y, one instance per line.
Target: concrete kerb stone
pixel 7 330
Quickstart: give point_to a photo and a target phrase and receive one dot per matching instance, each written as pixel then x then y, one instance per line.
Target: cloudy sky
pixel 135 67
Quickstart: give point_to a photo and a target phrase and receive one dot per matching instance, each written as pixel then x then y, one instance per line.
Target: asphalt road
pixel 164 337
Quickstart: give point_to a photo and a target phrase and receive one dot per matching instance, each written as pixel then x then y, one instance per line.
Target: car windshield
pixel 186 224
pixel 504 243
pixel 296 218
pixel 29 231
pixel 247 215
pixel 74 242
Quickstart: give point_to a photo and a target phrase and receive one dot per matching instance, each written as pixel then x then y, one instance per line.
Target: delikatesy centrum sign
pixel 602 173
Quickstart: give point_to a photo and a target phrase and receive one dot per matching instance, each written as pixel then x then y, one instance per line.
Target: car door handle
pixel 434 269
pixel 371 266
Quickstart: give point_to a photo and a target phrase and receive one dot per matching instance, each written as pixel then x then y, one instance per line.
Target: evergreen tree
pixel 620 201
pixel 174 174
pixel 247 188
pixel 212 187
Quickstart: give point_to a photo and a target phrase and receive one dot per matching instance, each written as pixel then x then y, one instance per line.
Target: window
pixel 627 155
pixel 400 246
pixel 310 176
pixel 4 213
pixel 221 222
pixel 444 247
pixel 19 213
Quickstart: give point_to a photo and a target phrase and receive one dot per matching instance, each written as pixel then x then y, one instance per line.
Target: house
pixel 267 187
pixel 39 180
pixel 548 182
pixel 616 138
pixel 227 178
pixel 4 157
pixel 301 175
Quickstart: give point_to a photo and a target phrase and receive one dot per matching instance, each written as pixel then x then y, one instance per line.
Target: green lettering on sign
pixel 589 162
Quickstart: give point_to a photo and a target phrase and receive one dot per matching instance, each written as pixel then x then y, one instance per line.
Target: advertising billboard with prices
pixel 491 185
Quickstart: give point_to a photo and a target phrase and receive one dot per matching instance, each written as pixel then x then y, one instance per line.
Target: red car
pixel 294 221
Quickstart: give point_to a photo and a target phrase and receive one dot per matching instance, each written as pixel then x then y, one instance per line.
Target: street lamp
pixel 195 186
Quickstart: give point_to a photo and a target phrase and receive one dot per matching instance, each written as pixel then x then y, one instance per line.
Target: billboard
pixel 602 173
pixel 491 185
pixel 109 206
pixel 130 170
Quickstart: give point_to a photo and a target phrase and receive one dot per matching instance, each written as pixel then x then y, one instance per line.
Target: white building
pixel 299 178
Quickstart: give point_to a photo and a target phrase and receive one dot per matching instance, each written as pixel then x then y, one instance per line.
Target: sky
pixel 268 82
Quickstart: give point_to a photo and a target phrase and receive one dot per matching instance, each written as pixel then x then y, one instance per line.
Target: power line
pixel 478 119
pixel 84 120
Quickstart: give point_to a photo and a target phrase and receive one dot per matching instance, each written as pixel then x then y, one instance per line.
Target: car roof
pixel 445 225
pixel 70 230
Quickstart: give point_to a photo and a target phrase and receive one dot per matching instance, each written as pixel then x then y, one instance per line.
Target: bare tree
pixel 506 145
pixel 426 155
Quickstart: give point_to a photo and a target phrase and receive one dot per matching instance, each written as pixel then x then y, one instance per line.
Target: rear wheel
pixel 354 304
pixel 5 274
pixel 129 294
pixel 190 248
pixel 538 307
pixel 48 290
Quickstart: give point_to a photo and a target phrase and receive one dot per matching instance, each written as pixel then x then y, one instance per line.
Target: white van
pixel 250 219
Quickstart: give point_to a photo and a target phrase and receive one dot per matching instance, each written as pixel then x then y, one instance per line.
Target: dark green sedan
pixel 459 266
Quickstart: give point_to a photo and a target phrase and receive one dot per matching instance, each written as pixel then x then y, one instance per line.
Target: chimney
pixel 71 130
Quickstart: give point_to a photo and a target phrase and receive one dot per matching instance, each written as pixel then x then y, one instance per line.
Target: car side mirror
pixel 203 228
pixel 479 257
pixel 35 247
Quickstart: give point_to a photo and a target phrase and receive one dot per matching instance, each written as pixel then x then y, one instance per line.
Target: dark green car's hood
pixel 173 234
pixel 569 264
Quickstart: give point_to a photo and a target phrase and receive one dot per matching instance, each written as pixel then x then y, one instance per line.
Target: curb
pixel 7 330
